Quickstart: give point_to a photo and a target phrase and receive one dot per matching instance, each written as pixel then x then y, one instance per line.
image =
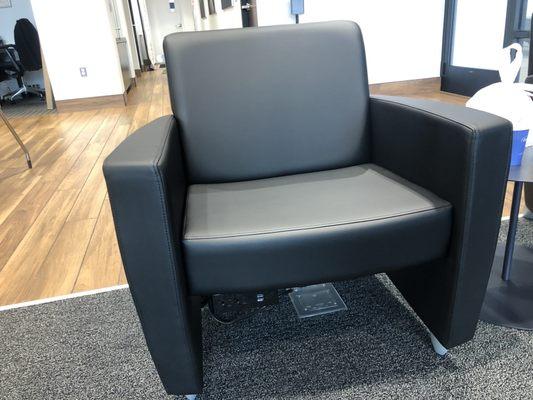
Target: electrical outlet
pixel 83 72
pixel 228 307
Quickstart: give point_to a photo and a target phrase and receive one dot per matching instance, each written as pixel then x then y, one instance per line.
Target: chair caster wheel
pixel 437 346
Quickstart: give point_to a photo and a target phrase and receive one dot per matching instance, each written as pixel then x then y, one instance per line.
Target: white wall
pixel 478 40
pixel 223 19
pixel 163 22
pixel 403 39
pixel 74 34
pixel 187 15
pixel 8 18
pixel 275 12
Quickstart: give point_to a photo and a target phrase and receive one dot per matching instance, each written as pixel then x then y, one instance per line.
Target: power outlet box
pixel 229 307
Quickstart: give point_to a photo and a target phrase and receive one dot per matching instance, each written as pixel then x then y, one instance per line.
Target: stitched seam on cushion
pixel 311 227
pixel 169 244
pixel 472 128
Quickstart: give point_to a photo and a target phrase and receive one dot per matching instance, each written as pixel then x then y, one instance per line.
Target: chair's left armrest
pixel 147 189
pixel 461 155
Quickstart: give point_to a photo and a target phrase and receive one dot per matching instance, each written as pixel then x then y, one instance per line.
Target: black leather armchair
pixel 277 169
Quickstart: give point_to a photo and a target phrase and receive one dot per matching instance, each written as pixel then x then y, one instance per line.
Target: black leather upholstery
pixel 461 155
pixel 246 99
pixel 315 227
pixel 147 186
pixel 410 187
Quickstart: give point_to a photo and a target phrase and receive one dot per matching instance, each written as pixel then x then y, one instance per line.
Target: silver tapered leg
pixel 437 346
pixel 24 90
pixel 19 92
pixel 17 138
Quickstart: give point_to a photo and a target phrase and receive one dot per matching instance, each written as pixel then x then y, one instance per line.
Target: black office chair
pixel 4 63
pixel 291 174
pixel 23 56
pixel 8 65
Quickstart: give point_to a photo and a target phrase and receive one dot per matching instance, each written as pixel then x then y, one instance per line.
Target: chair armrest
pixel 147 189
pixel 461 155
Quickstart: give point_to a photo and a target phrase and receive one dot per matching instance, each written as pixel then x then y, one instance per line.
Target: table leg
pixel 511 235
pixel 17 138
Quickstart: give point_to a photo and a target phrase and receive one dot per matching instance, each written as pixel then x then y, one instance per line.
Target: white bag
pixel 507 99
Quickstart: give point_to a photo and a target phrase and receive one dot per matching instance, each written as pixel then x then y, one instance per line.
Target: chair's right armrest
pixel 147 190
pixel 461 155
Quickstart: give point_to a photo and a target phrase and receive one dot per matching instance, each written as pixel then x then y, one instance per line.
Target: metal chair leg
pixel 17 138
pixel 35 92
pixel 19 92
pixel 437 346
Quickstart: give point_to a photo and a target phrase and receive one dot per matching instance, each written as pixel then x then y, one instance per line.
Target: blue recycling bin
pixel 519 145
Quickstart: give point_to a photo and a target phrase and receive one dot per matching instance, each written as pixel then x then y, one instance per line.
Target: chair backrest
pixel 263 102
pixel 28 45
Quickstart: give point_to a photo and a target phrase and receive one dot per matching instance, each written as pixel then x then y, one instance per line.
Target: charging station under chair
pixel 309 301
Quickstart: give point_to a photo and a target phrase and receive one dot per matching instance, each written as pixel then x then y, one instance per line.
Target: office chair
pixel 291 175
pixel 23 56
pixel 7 65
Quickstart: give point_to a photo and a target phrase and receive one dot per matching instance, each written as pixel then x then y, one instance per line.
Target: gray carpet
pixel 92 348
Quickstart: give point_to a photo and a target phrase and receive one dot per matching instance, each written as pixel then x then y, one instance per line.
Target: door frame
pixel 248 13
pixel 516 9
pixel 467 81
pixel 460 80
pixel 133 25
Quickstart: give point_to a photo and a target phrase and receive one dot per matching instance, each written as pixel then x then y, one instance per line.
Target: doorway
pixel 249 13
pixel 163 18
pixel 140 25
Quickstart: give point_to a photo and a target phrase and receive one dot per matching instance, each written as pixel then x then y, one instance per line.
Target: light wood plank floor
pixel 56 230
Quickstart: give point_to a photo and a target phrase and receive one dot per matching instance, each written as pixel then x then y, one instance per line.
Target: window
pixel 478 33
pixel 526 9
pixel 518 29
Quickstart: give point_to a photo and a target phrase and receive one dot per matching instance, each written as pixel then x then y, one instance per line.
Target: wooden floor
pixel 56 230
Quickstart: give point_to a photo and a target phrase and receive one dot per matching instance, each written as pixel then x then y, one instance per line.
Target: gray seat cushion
pixel 307 228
